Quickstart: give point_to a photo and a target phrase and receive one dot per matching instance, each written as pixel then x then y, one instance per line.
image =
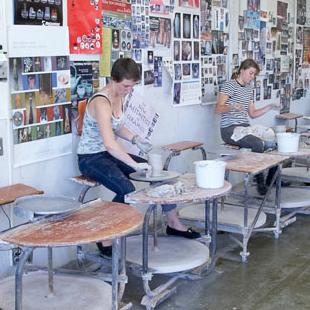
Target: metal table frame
pixel 162 292
pixel 118 278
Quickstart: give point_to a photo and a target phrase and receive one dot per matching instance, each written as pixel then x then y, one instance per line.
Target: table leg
pixel 115 272
pixel 214 229
pixel 19 277
pixel 244 254
pixel 278 230
pixel 50 271
pixel 146 237
pixel 207 218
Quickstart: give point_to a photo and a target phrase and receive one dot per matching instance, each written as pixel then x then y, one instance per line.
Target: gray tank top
pixel 91 140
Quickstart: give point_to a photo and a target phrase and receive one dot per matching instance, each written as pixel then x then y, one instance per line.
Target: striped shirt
pixel 240 94
pixel 91 140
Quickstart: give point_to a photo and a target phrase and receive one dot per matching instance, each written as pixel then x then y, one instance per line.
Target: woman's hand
pixel 142 144
pixel 143 167
pixel 237 107
pixel 276 106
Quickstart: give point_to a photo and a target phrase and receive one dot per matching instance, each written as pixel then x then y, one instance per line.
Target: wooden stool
pixel 175 149
pixel 96 221
pixel 9 194
pixel 290 116
pixel 87 185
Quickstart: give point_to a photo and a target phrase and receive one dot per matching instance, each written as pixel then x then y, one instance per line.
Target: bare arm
pixel 103 113
pixel 222 106
pixel 254 112
pixel 125 134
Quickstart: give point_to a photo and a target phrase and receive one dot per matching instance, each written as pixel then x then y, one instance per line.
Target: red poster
pixel 84 20
pixel 117 6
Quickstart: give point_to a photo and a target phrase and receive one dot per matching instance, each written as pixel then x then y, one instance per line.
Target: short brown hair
pixel 125 68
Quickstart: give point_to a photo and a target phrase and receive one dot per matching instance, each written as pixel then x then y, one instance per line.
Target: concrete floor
pixel 277 276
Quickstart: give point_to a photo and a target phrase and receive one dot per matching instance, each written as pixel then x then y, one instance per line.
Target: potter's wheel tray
pixel 165 176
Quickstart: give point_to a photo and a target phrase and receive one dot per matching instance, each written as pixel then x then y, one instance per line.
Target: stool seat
pixel 229 215
pixel 231 146
pixel 173 254
pixel 81 179
pixel 71 292
pixel 289 116
pixel 182 146
pixel 9 194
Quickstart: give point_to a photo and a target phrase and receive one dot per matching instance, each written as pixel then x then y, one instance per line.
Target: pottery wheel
pixel 166 175
pixel 29 207
pixel 70 292
pixel 300 174
pixel 295 197
pixel 229 215
pixel 173 254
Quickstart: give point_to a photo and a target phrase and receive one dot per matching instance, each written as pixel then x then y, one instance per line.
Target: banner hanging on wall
pixel 85 30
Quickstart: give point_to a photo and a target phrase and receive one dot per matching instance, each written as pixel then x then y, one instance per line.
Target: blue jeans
pixel 111 173
pixel 256 144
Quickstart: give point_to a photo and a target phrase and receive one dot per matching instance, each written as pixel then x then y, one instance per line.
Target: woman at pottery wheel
pixel 102 158
pixel 236 104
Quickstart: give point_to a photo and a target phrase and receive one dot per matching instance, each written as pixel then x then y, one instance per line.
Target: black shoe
pixel 262 189
pixel 105 251
pixel 189 233
pixel 261 186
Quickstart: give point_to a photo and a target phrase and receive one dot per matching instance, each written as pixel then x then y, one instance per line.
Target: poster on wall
pixel 140 118
pixel 117 34
pixel 85 30
pixel 46 13
pixel 40 97
pixel 140 11
pixel 186 54
pixel 214 48
pixel 84 76
pixel 306 45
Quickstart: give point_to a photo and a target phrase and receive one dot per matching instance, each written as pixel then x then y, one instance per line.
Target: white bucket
pixel 210 173
pixel 288 142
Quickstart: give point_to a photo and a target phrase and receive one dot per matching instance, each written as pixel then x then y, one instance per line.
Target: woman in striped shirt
pixel 236 104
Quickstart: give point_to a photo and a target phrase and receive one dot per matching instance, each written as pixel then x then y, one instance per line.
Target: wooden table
pixel 97 221
pixel 251 164
pixel 191 193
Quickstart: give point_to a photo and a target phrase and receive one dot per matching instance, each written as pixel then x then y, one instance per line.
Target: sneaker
pixel 189 233
pixel 105 251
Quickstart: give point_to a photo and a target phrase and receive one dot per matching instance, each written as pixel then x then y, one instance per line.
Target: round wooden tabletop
pixel 98 220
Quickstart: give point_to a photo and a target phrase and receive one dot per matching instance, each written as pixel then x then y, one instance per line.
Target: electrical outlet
pixel 16 252
pixel 1 147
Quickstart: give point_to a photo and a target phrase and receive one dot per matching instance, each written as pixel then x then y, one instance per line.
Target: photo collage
pixel 40 97
pixel 186 54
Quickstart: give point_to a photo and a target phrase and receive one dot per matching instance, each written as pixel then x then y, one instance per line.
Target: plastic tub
pixel 210 173
pixel 288 142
